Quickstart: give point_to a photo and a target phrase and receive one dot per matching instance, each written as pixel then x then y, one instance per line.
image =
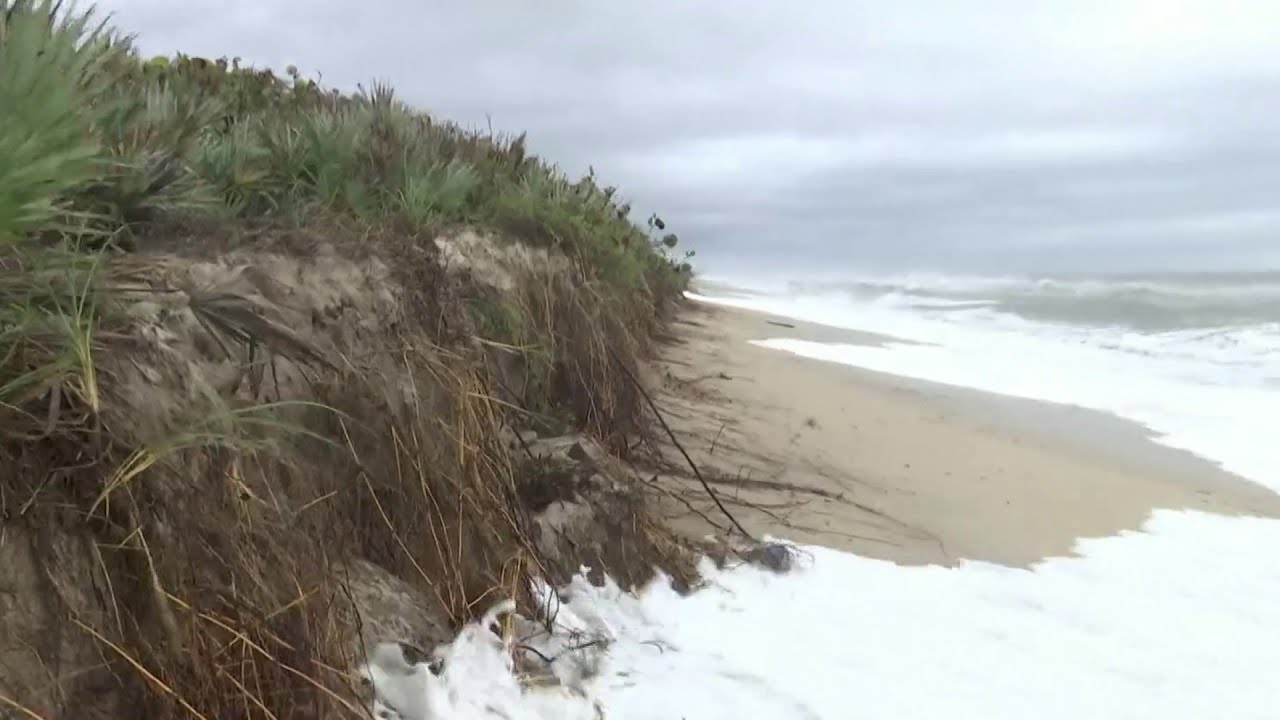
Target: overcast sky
pixel 985 135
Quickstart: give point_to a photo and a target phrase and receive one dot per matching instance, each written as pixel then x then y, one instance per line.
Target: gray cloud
pixel 986 134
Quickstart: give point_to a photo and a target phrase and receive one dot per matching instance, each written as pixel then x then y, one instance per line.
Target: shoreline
pixel 908 470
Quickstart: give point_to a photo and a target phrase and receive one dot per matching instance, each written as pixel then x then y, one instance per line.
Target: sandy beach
pixel 904 470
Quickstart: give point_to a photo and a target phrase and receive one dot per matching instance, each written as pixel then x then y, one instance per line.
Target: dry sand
pixel 905 470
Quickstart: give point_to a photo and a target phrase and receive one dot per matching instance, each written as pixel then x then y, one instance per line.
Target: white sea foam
pixel 1176 622
pixel 1210 390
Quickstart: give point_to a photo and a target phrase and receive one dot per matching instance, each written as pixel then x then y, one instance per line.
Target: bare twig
pixel 514 398
pixel 743 482
pixel 686 502
pixel 716 439
pixel 571 648
pixel 530 648
pixel 671 434
pixel 527 450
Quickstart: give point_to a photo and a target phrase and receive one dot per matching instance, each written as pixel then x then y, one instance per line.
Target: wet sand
pixel 901 469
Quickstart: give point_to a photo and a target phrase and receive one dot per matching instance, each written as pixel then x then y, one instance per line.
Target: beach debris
pixel 775 556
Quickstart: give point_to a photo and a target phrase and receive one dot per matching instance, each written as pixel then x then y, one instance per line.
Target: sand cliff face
pixel 258 340
pixel 289 454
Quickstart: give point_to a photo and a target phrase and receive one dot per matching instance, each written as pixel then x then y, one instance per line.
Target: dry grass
pixel 223 454
pixel 231 362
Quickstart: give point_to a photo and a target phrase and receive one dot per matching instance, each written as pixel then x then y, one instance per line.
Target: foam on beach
pixel 1178 620
pixel 1175 622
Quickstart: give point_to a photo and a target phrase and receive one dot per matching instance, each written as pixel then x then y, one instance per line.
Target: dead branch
pixel 671 434
pixel 686 502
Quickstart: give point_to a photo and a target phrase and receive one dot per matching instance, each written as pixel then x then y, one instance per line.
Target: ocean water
pixel 1194 357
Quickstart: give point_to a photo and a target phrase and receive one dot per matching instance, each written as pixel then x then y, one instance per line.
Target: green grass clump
pixel 102 147
pixel 92 130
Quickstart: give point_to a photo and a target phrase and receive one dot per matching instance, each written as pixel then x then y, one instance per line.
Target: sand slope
pixel 905 470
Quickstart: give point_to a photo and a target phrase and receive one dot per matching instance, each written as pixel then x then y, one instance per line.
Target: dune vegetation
pixel 253 330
